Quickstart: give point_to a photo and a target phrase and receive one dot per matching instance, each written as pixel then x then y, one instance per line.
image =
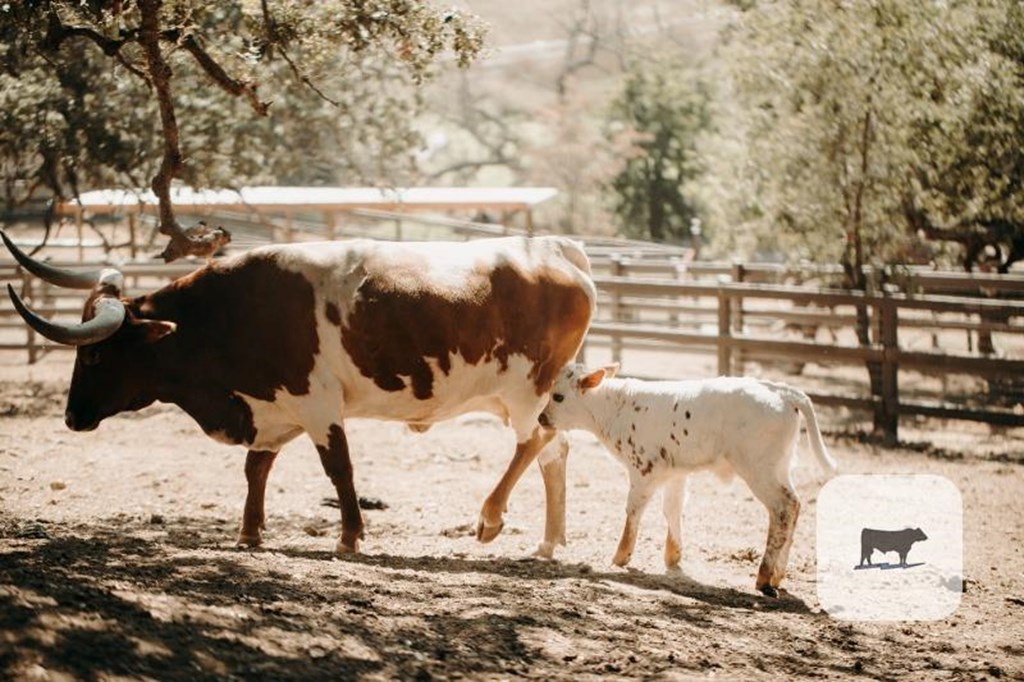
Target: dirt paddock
pixel 117 561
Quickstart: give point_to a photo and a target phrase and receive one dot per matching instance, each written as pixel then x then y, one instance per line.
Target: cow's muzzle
pixel 544 420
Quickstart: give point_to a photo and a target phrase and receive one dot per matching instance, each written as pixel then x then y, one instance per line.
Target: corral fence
pixel 741 323
pixel 652 298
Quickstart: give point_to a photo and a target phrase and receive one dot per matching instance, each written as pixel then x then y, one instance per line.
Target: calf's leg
pixel 552 461
pixel 783 509
pixel 790 514
pixel 674 494
pixel 640 493
pixel 491 523
pixel 257 468
pixel 334 456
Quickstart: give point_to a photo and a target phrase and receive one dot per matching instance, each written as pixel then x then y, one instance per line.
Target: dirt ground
pixel 117 561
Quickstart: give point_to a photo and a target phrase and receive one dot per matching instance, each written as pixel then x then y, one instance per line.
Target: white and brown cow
pixel 281 340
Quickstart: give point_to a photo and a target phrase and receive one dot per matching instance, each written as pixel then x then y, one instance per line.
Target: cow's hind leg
pixel 491 522
pixel 334 455
pixel 257 468
pixel 552 460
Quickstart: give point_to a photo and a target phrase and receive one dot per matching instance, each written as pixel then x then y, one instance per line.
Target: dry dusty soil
pixel 117 561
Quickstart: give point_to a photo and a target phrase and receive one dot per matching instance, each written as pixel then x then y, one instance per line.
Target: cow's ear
pixel 592 380
pixel 611 370
pixel 154 330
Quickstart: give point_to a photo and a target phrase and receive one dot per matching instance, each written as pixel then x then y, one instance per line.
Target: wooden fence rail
pixel 734 341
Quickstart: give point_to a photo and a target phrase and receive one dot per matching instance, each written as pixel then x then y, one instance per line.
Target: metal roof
pixel 321 198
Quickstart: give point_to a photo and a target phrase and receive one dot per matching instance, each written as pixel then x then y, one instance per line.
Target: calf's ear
pixel 611 370
pixel 592 380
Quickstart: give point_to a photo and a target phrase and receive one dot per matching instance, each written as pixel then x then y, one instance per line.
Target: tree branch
pixel 218 75
pixel 198 241
pixel 57 33
pixel 271 28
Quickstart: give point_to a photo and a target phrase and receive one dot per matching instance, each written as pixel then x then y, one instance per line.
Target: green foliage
pixel 77 109
pixel 666 112
pixel 871 124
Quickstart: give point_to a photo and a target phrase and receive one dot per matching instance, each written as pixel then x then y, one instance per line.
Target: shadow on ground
pixel 123 598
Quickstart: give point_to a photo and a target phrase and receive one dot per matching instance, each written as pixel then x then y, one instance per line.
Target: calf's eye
pixel 558 397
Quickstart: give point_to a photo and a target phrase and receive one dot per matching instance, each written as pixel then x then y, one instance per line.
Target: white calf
pixel 663 430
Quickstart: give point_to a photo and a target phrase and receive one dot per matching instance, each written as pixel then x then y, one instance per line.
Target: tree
pixel 668 113
pixel 88 81
pixel 879 127
pixel 970 190
pixel 869 120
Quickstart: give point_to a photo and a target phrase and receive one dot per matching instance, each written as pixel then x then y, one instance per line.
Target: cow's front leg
pixel 552 461
pixel 257 468
pixel 491 523
pixel 334 455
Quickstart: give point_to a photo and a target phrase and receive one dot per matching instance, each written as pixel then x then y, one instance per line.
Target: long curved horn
pixel 72 279
pixel 110 314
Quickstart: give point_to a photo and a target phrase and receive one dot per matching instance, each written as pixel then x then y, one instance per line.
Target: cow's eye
pixel 558 397
pixel 90 356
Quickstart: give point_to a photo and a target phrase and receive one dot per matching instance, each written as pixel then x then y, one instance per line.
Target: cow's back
pixel 421 329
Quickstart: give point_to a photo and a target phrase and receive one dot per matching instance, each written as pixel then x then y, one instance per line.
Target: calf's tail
pixel 803 403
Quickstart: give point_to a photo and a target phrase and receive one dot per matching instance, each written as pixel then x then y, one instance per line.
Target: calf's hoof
pixel 621 560
pixel 545 550
pixel 769 591
pixel 485 532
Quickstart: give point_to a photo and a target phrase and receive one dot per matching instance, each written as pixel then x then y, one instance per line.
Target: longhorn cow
pixel 284 339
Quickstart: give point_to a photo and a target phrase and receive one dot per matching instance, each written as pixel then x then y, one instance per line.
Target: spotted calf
pixel 664 430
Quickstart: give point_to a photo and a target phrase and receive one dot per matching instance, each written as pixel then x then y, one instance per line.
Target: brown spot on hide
pixel 633 427
pixel 664 453
pixel 686 432
pixel 687 414
pixel 332 313
pixel 646 469
pixel 244 325
pixel 636 408
pixel 673 437
pixel 401 320
pixel 675 406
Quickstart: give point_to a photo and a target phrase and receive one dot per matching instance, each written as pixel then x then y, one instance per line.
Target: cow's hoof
pixel 485 532
pixel 342 548
pixel 545 550
pixel 621 560
pixel 248 540
pixel 769 591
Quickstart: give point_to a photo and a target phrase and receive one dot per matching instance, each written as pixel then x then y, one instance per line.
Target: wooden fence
pixel 738 322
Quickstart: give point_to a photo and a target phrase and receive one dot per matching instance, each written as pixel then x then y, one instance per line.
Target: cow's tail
pixel 803 403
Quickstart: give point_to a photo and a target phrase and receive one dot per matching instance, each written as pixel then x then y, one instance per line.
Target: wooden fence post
pixel 133 246
pixel 739 274
pixel 618 270
pixel 888 320
pixel 724 333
